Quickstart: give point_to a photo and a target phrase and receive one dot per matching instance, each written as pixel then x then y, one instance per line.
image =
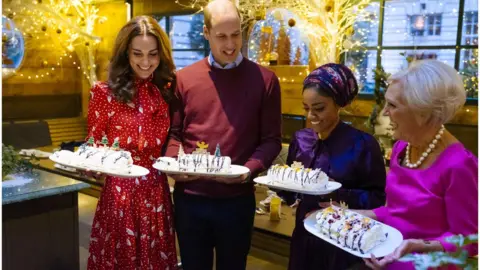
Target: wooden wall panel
pixel 41 107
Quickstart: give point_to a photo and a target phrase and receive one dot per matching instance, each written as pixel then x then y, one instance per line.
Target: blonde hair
pixel 432 89
pixel 207 14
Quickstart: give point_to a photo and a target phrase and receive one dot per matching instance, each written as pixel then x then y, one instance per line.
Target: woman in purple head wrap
pixel 347 155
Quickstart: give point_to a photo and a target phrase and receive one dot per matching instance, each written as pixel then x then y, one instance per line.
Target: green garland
pixel 13 163
pixel 424 261
pixel 381 85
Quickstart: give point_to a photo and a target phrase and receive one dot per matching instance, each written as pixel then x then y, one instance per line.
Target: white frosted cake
pixel 198 161
pixel 297 177
pixel 104 158
pixel 350 229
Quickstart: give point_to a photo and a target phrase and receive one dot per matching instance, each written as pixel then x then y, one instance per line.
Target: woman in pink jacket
pixel 432 185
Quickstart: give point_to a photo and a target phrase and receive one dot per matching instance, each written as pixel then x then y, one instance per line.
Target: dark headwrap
pixel 336 80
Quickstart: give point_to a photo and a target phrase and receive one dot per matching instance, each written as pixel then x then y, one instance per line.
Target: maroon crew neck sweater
pixel 239 109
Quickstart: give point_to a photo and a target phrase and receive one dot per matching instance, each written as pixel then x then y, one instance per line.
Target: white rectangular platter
pixel 137 171
pixel 331 187
pixel 394 239
pixel 236 170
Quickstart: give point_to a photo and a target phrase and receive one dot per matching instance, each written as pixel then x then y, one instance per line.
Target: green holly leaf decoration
pixel 424 261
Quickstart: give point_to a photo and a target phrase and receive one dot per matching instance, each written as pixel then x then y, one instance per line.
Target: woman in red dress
pixel 133 224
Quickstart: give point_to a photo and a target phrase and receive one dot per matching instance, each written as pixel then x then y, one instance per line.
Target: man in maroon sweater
pixel 228 100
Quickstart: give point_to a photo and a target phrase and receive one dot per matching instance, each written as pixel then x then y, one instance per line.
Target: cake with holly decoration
pixel 98 157
pixel 199 161
pixel 297 177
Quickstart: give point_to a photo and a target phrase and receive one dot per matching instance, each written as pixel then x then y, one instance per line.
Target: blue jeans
pixel 204 224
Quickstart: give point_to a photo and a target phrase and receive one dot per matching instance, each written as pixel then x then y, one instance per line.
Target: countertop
pixel 40 184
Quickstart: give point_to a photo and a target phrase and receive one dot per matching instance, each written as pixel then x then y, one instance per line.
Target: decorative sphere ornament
pixel 291 22
pixel 44 63
pixel 277 15
pixel 13 48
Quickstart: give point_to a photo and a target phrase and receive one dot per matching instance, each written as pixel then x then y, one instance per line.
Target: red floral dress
pixel 133 224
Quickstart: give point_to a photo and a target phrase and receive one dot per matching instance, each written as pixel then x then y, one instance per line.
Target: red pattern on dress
pixel 133 223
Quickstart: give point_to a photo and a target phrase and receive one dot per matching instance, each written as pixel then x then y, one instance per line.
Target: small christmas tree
pixel 283 47
pixel 298 57
pixel 105 141
pixel 116 144
pixel 91 141
pixel 217 151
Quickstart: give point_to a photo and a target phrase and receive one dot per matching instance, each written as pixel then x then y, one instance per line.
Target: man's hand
pixel 236 180
pixel 327 204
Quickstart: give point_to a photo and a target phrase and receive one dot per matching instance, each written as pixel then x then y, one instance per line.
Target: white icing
pixel 102 158
pixel 197 162
pixel 350 229
pixel 298 178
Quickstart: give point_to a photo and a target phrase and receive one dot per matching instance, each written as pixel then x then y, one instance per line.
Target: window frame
pixel 168 29
pixel 458 46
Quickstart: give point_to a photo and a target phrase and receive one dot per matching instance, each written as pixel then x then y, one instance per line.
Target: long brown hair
pixel 121 76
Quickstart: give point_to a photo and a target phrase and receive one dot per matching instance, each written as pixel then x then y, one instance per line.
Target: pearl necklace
pixel 425 154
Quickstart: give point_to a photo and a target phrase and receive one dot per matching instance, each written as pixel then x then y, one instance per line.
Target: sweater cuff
pixel 255 167
pixel 381 213
pixel 172 148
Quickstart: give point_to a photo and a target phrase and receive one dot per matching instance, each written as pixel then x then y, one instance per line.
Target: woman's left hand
pixel 327 204
pixel 406 247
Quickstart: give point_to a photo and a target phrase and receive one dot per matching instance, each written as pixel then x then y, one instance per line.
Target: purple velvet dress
pixel 351 157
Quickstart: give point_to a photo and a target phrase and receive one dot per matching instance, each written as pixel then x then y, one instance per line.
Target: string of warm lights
pixel 327 24
pixel 63 28
pixel 334 27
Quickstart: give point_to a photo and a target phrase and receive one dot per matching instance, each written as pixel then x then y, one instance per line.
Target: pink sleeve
pixel 461 202
pixel 382 211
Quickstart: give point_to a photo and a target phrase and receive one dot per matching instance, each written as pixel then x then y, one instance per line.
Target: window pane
pixel 362 64
pixel 185 58
pixel 469 70
pixel 408 23
pixel 274 35
pixel 470 23
pixel 366 26
pixel 163 23
pixel 186 32
pixel 393 60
